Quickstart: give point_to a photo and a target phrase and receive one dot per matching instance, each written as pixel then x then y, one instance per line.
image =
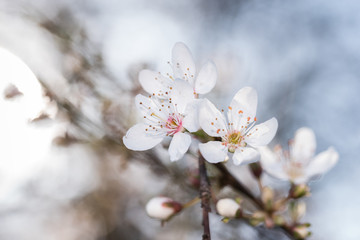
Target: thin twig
pixel 228 179
pixel 205 197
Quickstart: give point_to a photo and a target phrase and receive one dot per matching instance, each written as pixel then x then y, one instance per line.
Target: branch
pixel 205 197
pixel 228 179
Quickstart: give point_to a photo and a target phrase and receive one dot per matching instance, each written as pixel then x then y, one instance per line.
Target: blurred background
pixel 68 77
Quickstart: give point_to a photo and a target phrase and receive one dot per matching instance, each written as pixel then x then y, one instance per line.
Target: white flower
pixel 298 165
pixel 227 207
pixel 237 131
pixel 165 118
pixel 162 208
pixel 183 66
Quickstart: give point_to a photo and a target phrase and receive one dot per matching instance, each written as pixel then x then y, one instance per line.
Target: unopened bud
pixel 256 169
pixel 228 208
pixel 267 197
pixel 269 222
pixel 297 210
pixel 193 178
pixel 302 231
pixel 162 208
pixel 257 218
pixel 299 191
pixel 279 220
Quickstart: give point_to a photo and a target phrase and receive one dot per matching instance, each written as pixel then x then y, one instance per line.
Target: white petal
pixel 206 79
pixel 272 164
pixel 153 82
pixel 137 139
pixel 213 151
pixel 179 145
pixel 245 155
pixel 183 63
pixel 191 119
pixel 262 134
pixel 323 162
pixel 243 107
pixel 181 94
pixel 304 144
pixel 211 120
pixel 147 106
pixel 227 207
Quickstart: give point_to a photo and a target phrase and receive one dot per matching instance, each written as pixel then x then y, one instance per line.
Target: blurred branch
pixel 227 179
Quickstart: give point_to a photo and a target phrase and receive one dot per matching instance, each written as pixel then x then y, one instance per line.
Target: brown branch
pixel 205 197
pixel 228 179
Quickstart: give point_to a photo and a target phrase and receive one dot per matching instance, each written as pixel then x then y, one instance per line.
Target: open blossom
pixel 184 68
pixel 164 118
pixel 298 165
pixel 162 208
pixel 237 131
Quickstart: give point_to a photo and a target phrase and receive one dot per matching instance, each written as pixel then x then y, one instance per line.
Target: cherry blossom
pixel 298 165
pixel 184 68
pixel 237 131
pixel 165 118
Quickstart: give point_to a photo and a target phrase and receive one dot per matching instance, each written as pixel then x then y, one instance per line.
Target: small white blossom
pixel 227 207
pixel 162 208
pixel 298 165
pixel 183 67
pixel 237 130
pixel 165 118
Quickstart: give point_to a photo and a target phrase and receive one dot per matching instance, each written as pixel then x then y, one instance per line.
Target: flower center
pixel 294 169
pixel 233 139
pixel 174 124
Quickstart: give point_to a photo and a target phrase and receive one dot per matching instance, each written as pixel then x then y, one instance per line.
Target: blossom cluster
pixel 175 108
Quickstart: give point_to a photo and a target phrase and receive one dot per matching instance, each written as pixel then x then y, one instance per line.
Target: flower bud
pixel 279 220
pixel 267 197
pixel 257 218
pixel 297 210
pixel 299 191
pixel 256 169
pixel 302 231
pixel 193 178
pixel 228 208
pixel 162 208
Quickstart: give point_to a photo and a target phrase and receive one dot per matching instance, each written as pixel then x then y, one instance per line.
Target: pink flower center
pixel 174 124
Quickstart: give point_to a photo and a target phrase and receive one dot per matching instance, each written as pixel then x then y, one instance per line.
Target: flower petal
pixel 206 79
pixel 323 162
pixel 243 106
pixel 191 119
pixel 245 155
pixel 211 120
pixel 181 94
pixel 137 139
pixel 262 134
pixel 179 145
pixel 147 106
pixel 183 63
pixel 154 83
pixel 272 164
pixel 304 145
pixel 213 151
